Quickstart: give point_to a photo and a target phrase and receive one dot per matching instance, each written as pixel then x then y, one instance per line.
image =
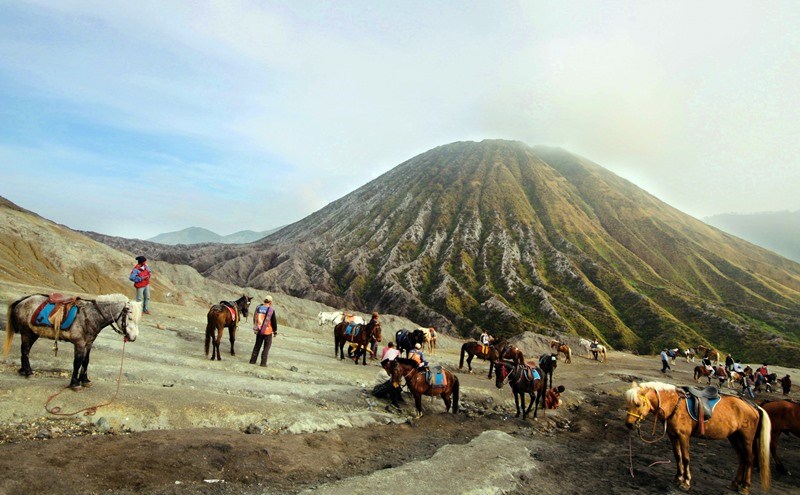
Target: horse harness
pixel 640 418
pixel 123 327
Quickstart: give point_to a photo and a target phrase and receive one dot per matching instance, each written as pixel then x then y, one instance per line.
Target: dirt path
pixel 183 424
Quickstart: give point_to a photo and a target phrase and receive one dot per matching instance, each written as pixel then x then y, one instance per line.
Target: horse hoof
pixel 685 487
pixel 75 386
pixel 86 384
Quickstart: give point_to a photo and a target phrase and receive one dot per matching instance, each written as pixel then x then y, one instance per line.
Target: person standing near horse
pixel 664 361
pixel 140 276
pixel 265 325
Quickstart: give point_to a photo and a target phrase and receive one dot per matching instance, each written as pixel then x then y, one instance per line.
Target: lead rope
pixel 91 410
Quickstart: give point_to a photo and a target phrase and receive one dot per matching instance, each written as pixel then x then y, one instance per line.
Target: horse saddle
pixel 435 377
pixel 529 373
pixel 230 307
pixel 47 314
pixel 700 403
pixel 352 329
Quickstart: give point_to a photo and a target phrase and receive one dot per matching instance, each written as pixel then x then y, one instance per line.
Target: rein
pixel 655 419
pixel 124 325
pixel 91 410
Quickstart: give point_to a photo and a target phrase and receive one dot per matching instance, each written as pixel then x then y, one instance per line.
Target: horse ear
pixel 634 385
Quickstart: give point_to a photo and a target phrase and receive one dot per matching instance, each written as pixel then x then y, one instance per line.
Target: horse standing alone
pixel 221 316
pixel 92 316
pixel 746 426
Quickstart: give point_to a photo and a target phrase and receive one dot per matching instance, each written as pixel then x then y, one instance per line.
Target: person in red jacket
pixel 140 276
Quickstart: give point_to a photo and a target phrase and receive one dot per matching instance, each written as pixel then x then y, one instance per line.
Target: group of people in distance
pixel 384 389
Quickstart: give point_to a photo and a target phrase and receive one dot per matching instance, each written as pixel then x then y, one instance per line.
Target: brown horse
pixel 719 373
pixel 91 316
pixel 562 348
pixel 710 353
pixel 487 352
pixel 224 315
pixel 785 417
pixel 522 381
pixel 747 427
pixel 511 353
pixel 362 336
pixel 418 383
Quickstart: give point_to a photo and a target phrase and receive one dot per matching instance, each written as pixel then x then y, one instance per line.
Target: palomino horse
pixel 221 316
pixel 561 348
pixel 719 373
pixel 746 426
pixel 418 383
pixel 709 353
pixel 92 316
pixel 785 416
pixel 430 339
pixel 523 380
pixel 362 336
pixel 487 352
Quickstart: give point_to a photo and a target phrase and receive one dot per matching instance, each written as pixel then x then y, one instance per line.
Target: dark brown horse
pixel 221 316
pixel 747 428
pixel 785 417
pixel 92 316
pixel 361 335
pixel 487 352
pixel 418 383
pixel 522 380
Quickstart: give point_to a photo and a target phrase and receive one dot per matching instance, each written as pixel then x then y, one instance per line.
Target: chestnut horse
pixel 719 373
pixel 219 318
pixel 511 353
pixel 474 348
pixel 785 417
pixel 364 335
pixel 710 353
pixel 747 427
pixel 522 381
pixel 561 348
pixel 92 316
pixel 418 384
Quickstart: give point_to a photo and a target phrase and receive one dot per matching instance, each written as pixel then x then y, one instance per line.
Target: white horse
pixel 586 345
pixel 430 339
pixel 336 317
pixel 601 351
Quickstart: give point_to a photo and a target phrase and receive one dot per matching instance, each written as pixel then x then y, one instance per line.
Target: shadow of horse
pixel 92 315
pixel 417 383
pixel 361 335
pixel 221 316
pixel 522 381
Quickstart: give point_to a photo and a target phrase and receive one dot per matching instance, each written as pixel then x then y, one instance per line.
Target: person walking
pixel 140 276
pixel 664 361
pixel 265 325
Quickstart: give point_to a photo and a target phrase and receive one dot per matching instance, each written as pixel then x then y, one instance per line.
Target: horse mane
pixel 112 298
pixel 136 310
pixel 632 394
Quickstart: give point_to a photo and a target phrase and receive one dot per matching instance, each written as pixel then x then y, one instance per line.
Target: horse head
pixel 243 305
pixel 376 332
pixel 131 315
pixel 501 373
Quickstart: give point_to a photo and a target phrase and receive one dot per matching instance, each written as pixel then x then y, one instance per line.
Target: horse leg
pixel 28 339
pixel 517 398
pixel 77 362
pixel 531 402
pixel 217 341
pixel 84 375
pixel 678 453
pixel 741 481
pixel 232 337
pixel 418 403
pixel 491 368
pixel 447 401
pixel 469 362
pixel 687 474
pixel 773 449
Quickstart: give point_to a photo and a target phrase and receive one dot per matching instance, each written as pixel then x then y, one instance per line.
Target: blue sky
pixel 157 116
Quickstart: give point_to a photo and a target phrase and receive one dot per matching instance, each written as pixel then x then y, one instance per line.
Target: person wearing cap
pixel 265 325
pixel 140 276
pixel 416 355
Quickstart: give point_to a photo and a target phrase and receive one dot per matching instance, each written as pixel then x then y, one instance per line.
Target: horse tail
pixel 455 394
pixel 463 351
pixel 763 440
pixel 10 329
pixel 569 354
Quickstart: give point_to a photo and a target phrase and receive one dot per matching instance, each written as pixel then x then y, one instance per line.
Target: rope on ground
pixel 91 410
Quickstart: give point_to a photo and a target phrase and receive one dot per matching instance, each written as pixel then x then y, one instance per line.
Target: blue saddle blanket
pixel 435 377
pixel 44 316
pixel 352 329
pixel 531 374
pixel 691 406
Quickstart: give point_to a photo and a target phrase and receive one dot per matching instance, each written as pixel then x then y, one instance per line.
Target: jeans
pixel 143 293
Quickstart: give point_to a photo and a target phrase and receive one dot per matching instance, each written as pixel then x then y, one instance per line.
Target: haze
pixel 134 119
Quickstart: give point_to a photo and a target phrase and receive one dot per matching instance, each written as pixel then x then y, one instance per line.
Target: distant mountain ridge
pixel 199 235
pixel 778 231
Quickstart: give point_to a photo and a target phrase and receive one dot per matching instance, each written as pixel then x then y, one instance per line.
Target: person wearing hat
pixel 416 355
pixel 265 325
pixel 140 276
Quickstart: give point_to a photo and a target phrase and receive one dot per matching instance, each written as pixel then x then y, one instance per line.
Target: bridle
pixel 640 418
pixel 123 327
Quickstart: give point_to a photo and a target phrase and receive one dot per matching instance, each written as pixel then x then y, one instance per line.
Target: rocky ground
pixel 182 424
